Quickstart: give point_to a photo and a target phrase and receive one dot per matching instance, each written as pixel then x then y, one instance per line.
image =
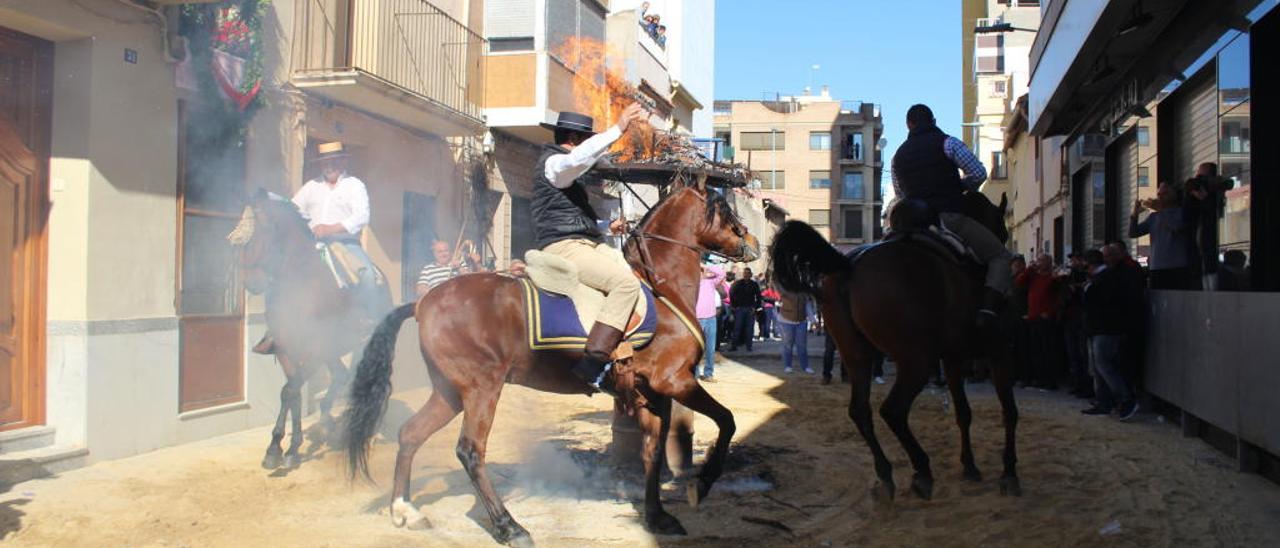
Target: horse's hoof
pixel 696 490
pixel 883 491
pixel 520 539
pixel 405 516
pixel 271 460
pixel 1009 486
pixel 662 523
pixel 291 461
pixel 972 474
pixel 922 486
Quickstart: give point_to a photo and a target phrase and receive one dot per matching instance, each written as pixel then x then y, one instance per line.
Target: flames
pixel 601 90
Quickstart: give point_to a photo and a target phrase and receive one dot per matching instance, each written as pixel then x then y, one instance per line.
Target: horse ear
pixel 1004 202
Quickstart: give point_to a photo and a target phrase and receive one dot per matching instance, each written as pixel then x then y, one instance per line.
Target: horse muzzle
pixel 748 249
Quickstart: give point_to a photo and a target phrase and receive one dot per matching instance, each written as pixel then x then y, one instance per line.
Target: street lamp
pixel 977 137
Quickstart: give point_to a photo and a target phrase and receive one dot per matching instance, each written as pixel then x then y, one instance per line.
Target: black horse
pixel 918 305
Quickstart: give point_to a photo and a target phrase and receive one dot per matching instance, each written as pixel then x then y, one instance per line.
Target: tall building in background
pixel 998 48
pixel 815 158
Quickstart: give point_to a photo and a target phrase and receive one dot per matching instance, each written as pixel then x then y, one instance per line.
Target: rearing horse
pixel 472 334
pixel 313 321
pixel 916 305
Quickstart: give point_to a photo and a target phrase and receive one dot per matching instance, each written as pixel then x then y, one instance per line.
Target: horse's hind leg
pixel 912 375
pixel 293 394
pixel 656 423
pixel 964 417
pixel 478 410
pixel 1003 381
pixel 857 354
pixel 440 408
pixel 338 378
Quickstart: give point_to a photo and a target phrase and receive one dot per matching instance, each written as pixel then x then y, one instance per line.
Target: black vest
pixel 560 213
pixel 924 172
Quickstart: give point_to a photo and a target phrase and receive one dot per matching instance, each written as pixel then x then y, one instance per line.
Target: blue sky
pixel 895 53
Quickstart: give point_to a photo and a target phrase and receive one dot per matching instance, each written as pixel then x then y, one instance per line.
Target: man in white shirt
pixel 336 207
pixel 565 224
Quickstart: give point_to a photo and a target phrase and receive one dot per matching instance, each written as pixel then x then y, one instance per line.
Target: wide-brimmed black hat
pixel 573 121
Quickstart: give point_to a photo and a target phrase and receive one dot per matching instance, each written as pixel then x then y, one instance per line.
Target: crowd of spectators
pixel 652 24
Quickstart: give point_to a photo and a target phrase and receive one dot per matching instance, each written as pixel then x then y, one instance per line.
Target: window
pixel 990 54
pixel 1144 136
pixel 521 216
pixel 819 179
pixel 877 222
pixel 569 18
pixel 999 88
pixel 763 140
pixel 852 148
pixel 509 25
pixel 1144 177
pixel 851 187
pixel 998 168
pixel 819 140
pixel 771 180
pixel 820 217
pixel 851 223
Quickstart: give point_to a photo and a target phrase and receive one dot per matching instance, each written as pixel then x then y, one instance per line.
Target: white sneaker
pixel 879 380
pixel 808 370
pixel 786 370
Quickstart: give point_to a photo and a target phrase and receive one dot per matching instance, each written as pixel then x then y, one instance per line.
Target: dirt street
pixel 799 475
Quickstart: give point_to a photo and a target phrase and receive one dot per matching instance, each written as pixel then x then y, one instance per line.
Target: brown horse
pixel 472 335
pixel 919 307
pixel 313 321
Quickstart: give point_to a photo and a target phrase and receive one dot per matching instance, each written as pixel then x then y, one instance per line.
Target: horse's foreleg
pixel 857 355
pixel 477 420
pixel 896 409
pixel 441 408
pixel 292 394
pixel 964 417
pixel 656 423
pixel 274 455
pixel 1003 381
pixel 700 401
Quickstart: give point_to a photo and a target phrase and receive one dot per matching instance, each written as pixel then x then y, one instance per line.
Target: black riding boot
pixel 265 346
pixel 593 368
pixel 989 310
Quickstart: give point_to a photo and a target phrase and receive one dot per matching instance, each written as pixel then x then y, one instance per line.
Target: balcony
pixel 403 60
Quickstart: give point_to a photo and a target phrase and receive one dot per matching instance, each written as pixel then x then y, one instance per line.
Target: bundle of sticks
pixel 644 144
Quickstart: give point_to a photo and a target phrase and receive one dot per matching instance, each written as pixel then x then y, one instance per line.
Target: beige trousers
pixel 599 268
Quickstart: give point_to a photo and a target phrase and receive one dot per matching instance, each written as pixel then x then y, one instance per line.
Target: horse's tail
pixel 371 389
pixel 801 257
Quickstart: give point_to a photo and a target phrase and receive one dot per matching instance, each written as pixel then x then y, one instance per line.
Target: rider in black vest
pixel 926 167
pixel 564 224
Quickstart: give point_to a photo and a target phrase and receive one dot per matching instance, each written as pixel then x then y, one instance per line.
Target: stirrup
pixel 596 384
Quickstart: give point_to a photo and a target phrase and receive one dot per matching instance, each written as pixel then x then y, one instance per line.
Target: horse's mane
pixel 290 210
pixel 715 203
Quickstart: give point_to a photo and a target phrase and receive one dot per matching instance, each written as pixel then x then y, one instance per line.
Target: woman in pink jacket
pixel 710 297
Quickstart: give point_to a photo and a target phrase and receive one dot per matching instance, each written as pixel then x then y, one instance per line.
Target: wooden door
pixel 24 158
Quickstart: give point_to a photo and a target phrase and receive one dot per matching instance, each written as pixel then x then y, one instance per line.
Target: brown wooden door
pixel 24 138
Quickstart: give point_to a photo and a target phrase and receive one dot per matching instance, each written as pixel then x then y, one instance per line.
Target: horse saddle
pixel 560 310
pixel 345 266
pixel 915 221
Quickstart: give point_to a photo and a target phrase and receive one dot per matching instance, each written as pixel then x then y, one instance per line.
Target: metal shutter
pixel 1126 184
pixel 1196 140
pixel 508 18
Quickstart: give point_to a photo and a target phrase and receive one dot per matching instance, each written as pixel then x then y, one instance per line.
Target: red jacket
pixel 1042 293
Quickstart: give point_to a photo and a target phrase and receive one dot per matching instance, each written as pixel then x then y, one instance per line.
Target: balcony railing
pixel 409 44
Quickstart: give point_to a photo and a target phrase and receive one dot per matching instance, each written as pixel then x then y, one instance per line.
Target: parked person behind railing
pixel 660 36
pixel 1170 260
pixel 1203 207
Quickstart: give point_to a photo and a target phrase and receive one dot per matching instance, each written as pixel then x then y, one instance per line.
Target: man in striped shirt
pixel 441 269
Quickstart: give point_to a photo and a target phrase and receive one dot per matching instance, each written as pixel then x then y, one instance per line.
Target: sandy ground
pixel 799 475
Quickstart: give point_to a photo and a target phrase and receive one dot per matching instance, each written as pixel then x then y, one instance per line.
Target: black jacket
pixel 1112 301
pixel 744 293
pixel 560 213
pixel 924 172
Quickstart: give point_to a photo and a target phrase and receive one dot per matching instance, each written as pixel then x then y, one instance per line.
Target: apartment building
pixel 997 37
pixel 815 157
pixel 132 326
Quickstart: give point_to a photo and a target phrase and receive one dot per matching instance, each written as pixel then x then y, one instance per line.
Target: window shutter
pixel 508 18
